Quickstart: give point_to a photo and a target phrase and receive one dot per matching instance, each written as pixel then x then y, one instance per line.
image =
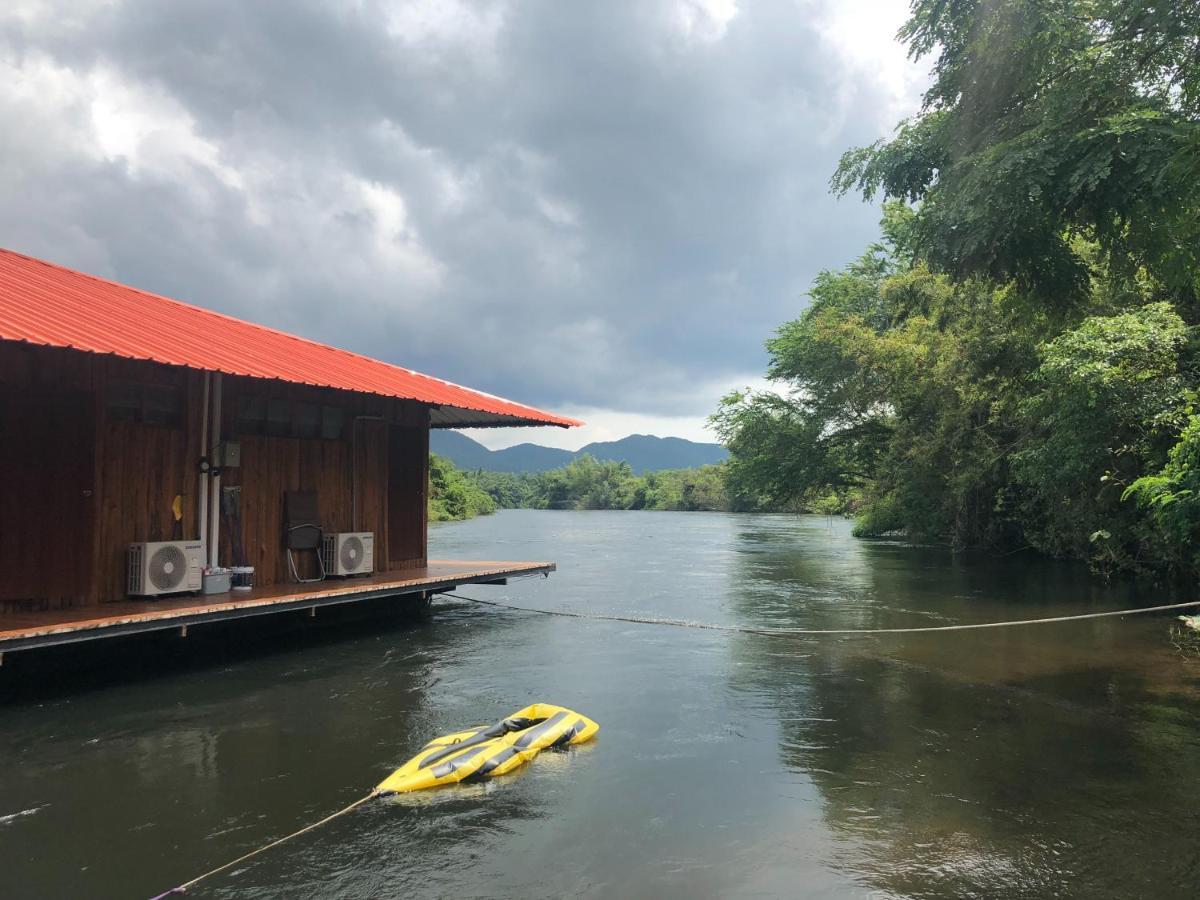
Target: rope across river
pixel 740 629
pixel 706 626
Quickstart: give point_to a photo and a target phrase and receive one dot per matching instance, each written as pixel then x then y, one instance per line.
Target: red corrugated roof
pixel 42 303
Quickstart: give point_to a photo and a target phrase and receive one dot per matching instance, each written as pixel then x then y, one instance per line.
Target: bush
pixel 882 517
pixel 453 495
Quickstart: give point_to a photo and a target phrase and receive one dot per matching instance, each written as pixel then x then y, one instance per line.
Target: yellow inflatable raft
pixel 490 750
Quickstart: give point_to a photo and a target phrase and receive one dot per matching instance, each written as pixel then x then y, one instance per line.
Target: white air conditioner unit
pixel 349 553
pixel 164 567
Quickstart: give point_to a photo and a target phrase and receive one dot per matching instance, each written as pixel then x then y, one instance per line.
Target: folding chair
pixel 302 530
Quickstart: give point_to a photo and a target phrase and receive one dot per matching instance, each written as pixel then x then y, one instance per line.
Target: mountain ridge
pixel 643 452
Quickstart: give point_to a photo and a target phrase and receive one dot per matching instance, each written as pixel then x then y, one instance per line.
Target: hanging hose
pixel 231 512
pixel 707 626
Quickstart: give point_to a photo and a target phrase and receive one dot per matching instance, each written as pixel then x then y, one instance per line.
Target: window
pixel 124 401
pixel 281 417
pixel 306 420
pixel 331 422
pixel 145 404
pixel 251 415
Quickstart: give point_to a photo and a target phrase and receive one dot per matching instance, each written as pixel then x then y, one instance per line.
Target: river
pixel 1057 760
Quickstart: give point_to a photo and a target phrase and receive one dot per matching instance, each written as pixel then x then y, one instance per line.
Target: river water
pixel 1057 760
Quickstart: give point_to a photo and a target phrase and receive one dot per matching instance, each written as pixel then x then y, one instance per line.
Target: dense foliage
pixel 588 483
pixel 1048 119
pixel 453 495
pixel 1014 365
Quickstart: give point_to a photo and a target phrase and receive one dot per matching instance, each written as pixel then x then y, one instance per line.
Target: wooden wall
pixel 406 501
pixel 68 470
pixel 350 498
pixel 47 501
pixel 139 471
pixel 123 477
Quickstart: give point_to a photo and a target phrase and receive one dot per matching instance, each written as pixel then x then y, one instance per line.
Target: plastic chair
pixel 302 530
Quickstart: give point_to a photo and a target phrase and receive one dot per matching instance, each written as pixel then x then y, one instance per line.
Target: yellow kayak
pixel 490 750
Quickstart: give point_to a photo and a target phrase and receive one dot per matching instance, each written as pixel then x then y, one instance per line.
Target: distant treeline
pixel 588 483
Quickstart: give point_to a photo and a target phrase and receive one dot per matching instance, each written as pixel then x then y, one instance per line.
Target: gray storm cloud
pixel 605 205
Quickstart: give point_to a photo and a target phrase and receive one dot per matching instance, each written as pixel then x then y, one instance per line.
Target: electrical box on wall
pixel 229 455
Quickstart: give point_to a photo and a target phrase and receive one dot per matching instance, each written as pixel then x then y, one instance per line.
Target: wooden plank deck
pixel 26 630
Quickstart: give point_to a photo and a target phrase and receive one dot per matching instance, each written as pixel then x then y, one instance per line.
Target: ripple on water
pixel 1033 762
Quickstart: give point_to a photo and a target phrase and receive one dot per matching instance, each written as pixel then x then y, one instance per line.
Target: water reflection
pixel 1057 759
pixel 160 779
pixel 1029 762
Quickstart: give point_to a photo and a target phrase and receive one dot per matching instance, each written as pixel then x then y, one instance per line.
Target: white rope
pixel 678 623
pixel 708 626
pixel 182 889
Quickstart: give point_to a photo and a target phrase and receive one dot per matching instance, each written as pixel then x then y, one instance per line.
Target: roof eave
pixel 462 417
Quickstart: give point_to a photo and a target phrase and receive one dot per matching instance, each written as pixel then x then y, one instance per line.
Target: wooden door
pixel 47 470
pixel 408 482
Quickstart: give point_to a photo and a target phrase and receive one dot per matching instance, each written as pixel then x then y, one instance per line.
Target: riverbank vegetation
pixel 1015 365
pixel 453 495
pixel 588 483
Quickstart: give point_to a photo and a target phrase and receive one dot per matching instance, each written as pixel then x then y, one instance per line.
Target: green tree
pixel 898 389
pixel 957 411
pixel 1109 399
pixel 1012 363
pixel 1172 497
pixel 508 490
pixel 1047 120
pixel 828 426
pixel 587 483
pixel 452 495
pixel 685 490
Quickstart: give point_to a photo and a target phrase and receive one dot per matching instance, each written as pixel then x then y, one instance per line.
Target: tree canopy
pixel 1049 120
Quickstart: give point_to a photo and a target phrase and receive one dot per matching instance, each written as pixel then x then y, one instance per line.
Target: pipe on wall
pixel 202 496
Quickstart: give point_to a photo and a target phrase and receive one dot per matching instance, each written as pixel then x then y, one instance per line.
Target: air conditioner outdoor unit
pixel 164 567
pixel 349 553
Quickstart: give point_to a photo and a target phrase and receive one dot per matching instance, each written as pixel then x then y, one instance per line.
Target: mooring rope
pixel 679 623
pixel 182 889
pixel 709 626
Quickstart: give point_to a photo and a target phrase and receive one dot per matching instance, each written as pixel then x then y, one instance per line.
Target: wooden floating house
pixel 132 422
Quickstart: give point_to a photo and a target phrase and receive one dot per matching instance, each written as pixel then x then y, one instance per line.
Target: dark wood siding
pixel 350 498
pixel 136 470
pixel 370 498
pixel 140 469
pixel 408 481
pixel 47 498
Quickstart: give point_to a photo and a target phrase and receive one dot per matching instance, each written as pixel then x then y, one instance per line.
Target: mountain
pixel 526 458
pixel 647 453
pixel 643 452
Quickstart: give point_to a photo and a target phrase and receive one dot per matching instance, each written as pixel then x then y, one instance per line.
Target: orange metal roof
pixel 42 303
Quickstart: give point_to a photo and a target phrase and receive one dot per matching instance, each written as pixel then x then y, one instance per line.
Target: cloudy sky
pixel 602 208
